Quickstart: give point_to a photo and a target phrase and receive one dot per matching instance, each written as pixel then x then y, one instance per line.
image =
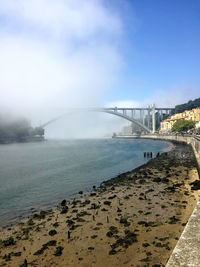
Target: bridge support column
pixel 153 119
pixel 140 115
pixel 161 113
pixel 148 118
pixel 143 116
pixel 132 113
pixel 132 127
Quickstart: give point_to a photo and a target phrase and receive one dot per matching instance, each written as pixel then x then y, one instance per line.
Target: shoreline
pixel 106 224
pixel 23 141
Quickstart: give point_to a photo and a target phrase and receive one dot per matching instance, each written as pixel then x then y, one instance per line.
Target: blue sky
pixel 163 50
pixel 67 53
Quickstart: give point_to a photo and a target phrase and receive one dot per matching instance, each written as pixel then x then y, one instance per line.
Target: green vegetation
pixel 183 126
pixel 187 106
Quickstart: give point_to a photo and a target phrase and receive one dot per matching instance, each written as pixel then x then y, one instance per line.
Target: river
pixel 39 175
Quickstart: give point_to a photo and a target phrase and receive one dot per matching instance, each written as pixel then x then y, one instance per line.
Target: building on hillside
pixel 194 115
pixel 197 114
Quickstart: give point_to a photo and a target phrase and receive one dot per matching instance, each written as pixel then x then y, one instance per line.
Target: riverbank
pixel 135 219
pixel 27 139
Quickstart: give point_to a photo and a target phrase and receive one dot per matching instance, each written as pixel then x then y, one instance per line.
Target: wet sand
pixel 134 219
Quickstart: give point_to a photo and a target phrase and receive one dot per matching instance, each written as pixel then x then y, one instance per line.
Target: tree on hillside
pixel 187 106
pixel 183 126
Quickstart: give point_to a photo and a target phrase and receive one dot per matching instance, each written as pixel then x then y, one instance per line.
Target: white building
pixel 197 125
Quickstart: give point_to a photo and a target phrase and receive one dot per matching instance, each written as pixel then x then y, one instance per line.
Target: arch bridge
pixel 145 118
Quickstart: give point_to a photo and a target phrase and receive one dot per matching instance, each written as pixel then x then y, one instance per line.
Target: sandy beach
pixel 134 219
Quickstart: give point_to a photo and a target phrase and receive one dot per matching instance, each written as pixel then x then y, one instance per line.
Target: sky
pixel 56 54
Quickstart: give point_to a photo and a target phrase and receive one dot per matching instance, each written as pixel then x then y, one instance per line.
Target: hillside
pixel 187 106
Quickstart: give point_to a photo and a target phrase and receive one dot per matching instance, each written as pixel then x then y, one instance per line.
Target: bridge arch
pixel 112 112
pixel 129 119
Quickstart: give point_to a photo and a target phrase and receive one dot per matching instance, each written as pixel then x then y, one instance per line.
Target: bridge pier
pixel 161 114
pixel 132 113
pixel 153 119
pixel 148 118
pixel 143 117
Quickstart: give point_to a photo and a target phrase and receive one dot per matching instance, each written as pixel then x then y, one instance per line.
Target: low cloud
pixel 56 54
pixel 61 19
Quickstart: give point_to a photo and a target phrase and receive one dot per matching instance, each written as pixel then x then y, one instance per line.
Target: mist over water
pixel 84 124
pixel 38 175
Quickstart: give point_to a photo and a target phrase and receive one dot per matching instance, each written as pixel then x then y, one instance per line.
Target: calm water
pixel 35 175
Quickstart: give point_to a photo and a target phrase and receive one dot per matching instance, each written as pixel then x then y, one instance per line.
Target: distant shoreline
pixel 25 140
